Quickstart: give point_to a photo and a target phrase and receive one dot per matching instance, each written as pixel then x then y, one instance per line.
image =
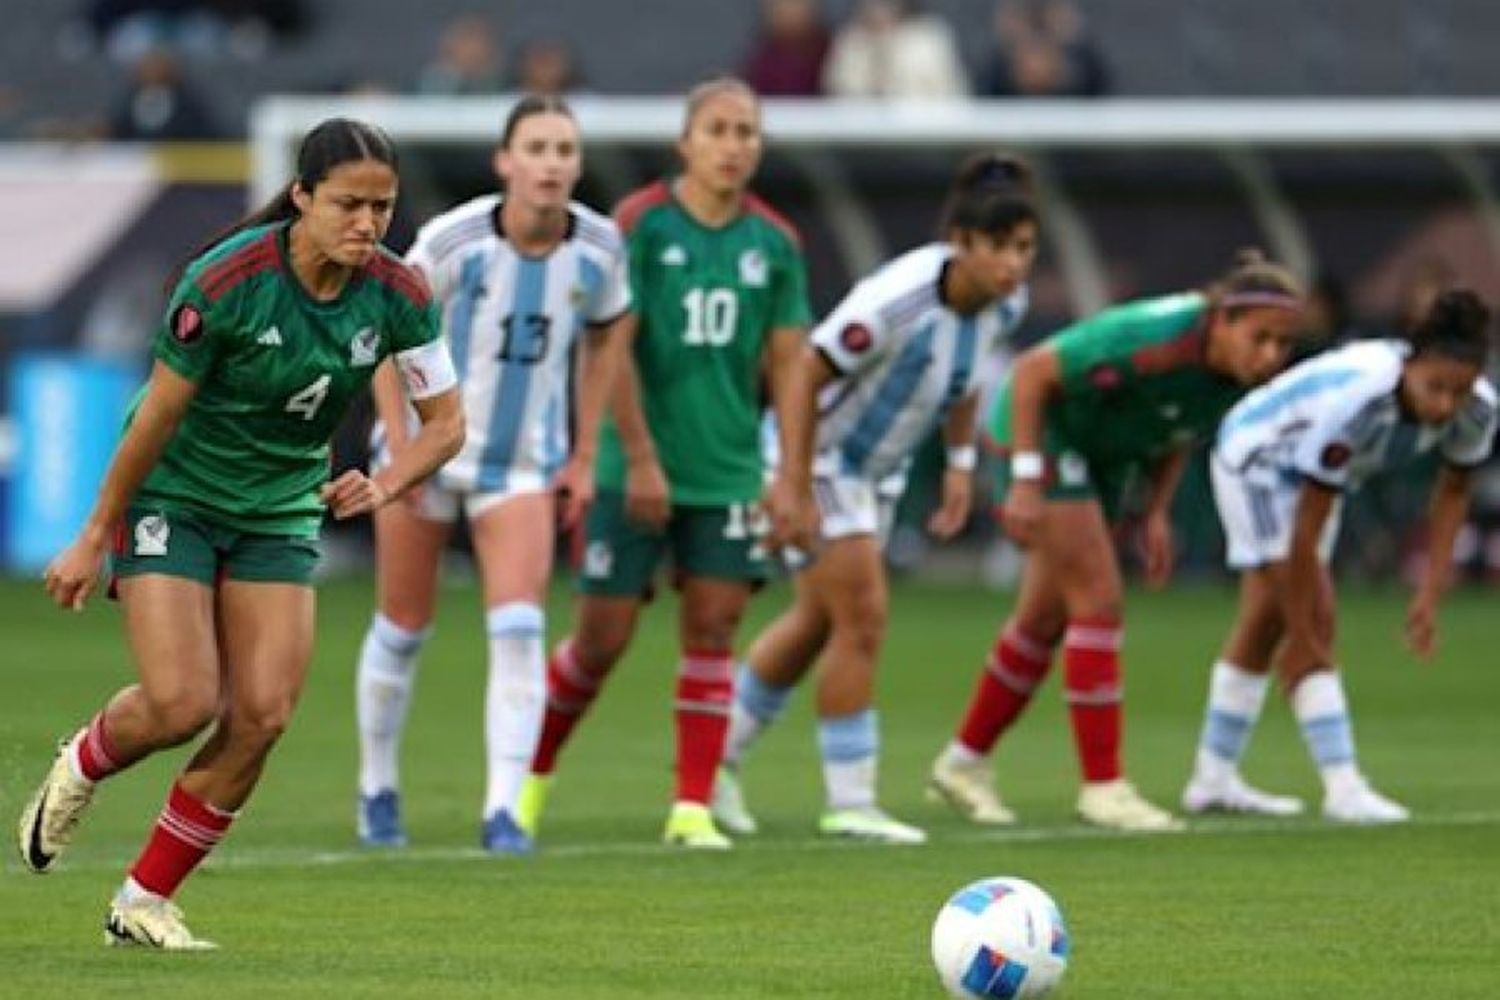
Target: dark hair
pixel 1255 282
pixel 532 104
pixel 331 143
pixel 710 88
pixel 991 193
pixel 1457 326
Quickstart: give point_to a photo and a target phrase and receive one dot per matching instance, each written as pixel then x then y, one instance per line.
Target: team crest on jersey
pixel 187 324
pixel 856 338
pixel 753 268
pixel 151 534
pixel 1105 377
pixel 364 349
pixel 598 560
pixel 1335 455
pixel 674 256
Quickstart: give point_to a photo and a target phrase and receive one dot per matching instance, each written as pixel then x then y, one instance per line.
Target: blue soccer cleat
pixel 501 835
pixel 379 819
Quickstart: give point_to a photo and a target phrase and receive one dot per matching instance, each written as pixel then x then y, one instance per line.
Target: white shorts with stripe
pixel 852 505
pixel 442 502
pixel 1258 509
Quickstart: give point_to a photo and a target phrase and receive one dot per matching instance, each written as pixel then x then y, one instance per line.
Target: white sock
pixel 755 707
pixel 383 683
pixel 515 700
pixel 1235 699
pixel 1323 713
pixel 850 747
pixel 132 891
pixel 955 754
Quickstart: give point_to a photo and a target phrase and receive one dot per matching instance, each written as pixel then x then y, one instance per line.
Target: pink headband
pixel 1270 300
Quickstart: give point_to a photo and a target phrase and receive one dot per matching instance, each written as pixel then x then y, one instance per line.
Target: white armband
pixel 1027 465
pixel 427 371
pixel 963 457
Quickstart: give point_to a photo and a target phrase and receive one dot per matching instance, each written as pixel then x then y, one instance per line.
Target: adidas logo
pixel 271 338
pixel 674 256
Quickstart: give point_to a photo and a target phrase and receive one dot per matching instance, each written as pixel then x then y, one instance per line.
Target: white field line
pixel 257 858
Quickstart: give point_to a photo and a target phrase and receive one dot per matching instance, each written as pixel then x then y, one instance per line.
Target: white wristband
pixel 963 457
pixel 1027 465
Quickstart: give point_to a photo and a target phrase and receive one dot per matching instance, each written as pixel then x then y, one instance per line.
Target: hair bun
pixel 1249 257
pixel 996 170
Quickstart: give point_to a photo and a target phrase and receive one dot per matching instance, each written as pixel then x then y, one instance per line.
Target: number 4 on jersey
pixel 306 401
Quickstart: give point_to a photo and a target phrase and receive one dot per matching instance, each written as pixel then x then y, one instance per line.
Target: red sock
pixel 569 693
pixel 1014 670
pixel 185 832
pixel 1091 664
pixel 705 687
pixel 96 758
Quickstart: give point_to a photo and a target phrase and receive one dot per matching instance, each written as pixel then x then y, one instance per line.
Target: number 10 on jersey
pixel 711 316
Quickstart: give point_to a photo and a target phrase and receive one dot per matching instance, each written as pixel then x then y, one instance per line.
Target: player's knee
pixel 182 713
pixel 861 624
pixel 258 725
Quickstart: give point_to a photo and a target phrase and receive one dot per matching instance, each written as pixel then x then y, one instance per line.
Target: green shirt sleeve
pixel 416 324
pixel 791 308
pixel 192 334
pixel 1101 352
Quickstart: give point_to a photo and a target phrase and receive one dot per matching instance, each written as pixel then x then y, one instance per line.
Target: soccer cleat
pixel 1118 806
pixel 691 825
pixel 47 823
pixel 1360 804
pixel 152 922
pixel 1231 794
pixel 501 835
pixel 728 806
pixel 379 819
pixel 970 789
pixel 871 824
pixel 531 801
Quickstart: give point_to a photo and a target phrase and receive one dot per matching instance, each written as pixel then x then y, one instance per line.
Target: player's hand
pixel 352 494
pixel 792 513
pixel 1158 551
pixel 647 496
pixel 953 512
pixel 1421 626
pixel 72 576
pixel 1022 514
pixel 574 487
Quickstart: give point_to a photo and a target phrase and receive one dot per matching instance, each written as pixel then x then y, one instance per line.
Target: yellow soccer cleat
pixel 970 789
pixel 49 819
pixel 690 825
pixel 1117 805
pixel 531 801
pixel 150 923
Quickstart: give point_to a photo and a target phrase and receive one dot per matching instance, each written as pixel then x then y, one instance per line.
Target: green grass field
pixel 1230 909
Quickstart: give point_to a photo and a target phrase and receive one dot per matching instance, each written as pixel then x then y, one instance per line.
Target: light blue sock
pixel 850 747
pixel 756 706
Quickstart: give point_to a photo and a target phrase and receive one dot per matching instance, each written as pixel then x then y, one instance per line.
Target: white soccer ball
pixel 1000 938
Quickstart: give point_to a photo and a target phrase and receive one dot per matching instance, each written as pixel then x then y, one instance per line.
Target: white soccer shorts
pixel 1258 508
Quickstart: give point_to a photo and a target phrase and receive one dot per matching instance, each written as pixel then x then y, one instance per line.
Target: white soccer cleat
pixel 1118 806
pixel 728 806
pixel 691 826
pixel 1231 794
pixel 970 789
pixel 49 819
pixel 1360 804
pixel 150 923
pixel 869 824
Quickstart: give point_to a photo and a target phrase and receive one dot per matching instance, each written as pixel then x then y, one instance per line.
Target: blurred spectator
pixel 1428 278
pixel 467 61
pixel 547 66
pixel 890 49
pixel 786 59
pixel 129 29
pixel 1326 321
pixel 1042 49
pixel 160 105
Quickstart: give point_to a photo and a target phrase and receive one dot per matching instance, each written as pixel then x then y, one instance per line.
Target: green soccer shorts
pixel 192 546
pixel 620 556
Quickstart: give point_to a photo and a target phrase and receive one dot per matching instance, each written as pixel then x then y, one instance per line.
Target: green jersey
pixel 707 300
pixel 1134 384
pixel 276 370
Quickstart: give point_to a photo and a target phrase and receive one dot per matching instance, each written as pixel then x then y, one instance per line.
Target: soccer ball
pixel 1000 937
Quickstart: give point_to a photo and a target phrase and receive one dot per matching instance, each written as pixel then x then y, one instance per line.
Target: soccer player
pixel 214 499
pixel 1285 457
pixel 719 288
pixel 521 277
pixel 902 354
pixel 1125 392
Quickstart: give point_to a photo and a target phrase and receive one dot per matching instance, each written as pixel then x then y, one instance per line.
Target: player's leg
pixel 850 580
pixel 1322 712
pixel 962 775
pixel 513 539
pixel 166 596
pixel 409 542
pixel 266 637
pixel 1080 551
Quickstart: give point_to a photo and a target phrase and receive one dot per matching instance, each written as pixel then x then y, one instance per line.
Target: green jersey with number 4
pixel 276 370
pixel 707 299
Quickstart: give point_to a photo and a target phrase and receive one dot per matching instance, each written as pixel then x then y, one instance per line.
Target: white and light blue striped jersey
pixel 1336 418
pixel 511 321
pixel 905 358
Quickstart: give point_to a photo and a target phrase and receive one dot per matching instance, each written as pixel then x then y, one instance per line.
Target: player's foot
pixel 150 923
pixel 1232 794
pixel 871 824
pixel 502 835
pixel 691 825
pixel 970 789
pixel 531 801
pixel 728 806
pixel 49 819
pixel 1118 806
pixel 379 819
pixel 1359 803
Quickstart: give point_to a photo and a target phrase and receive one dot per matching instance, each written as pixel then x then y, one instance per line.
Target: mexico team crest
pixel 151 534
pixel 753 268
pixel 364 349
